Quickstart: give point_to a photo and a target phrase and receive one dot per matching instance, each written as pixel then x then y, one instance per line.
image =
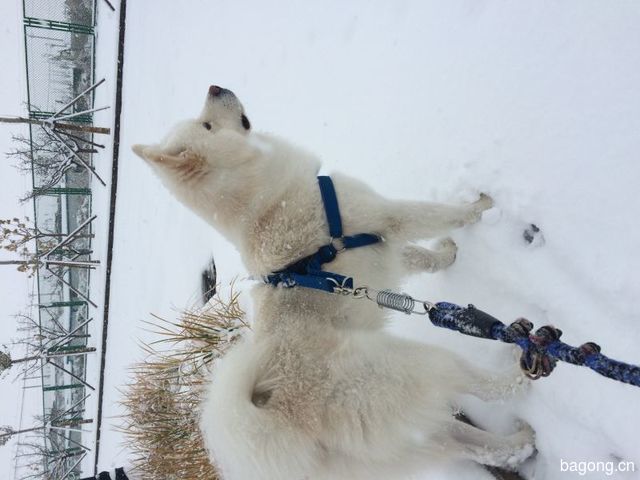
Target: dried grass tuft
pixel 163 399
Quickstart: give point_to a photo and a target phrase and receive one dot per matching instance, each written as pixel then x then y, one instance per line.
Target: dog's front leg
pixel 411 221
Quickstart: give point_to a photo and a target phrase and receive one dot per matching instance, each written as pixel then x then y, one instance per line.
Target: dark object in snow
pixel 540 350
pixel 209 276
pixel 497 472
pixel 120 475
pixel 533 236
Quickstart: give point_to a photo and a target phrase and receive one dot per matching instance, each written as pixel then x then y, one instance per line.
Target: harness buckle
pixel 338 243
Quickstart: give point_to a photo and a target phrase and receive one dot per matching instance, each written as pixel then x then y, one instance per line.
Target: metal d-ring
pixel 338 244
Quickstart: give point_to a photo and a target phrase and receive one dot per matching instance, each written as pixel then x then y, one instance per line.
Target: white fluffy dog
pixel 319 390
pixel 262 194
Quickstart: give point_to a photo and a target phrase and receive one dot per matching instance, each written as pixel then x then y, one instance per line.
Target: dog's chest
pixel 292 228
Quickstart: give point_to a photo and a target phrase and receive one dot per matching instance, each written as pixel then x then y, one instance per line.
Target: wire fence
pixel 80 12
pixel 59 44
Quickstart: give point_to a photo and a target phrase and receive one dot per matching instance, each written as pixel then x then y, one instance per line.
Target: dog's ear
pixel 149 153
pixel 187 164
pixel 139 149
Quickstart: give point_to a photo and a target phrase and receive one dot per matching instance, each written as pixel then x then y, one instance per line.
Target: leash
pixel 540 350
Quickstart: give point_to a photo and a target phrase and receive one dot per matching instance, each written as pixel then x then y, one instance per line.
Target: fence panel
pixel 60 62
pixel 80 12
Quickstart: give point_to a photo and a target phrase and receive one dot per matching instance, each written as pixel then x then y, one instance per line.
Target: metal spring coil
pixel 396 301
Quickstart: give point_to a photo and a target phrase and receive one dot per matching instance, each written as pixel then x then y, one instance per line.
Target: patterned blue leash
pixel 540 350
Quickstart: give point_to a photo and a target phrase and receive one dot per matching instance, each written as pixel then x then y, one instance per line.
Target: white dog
pixel 319 391
pixel 262 194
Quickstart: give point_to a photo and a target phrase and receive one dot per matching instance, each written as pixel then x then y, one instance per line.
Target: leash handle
pixel 469 320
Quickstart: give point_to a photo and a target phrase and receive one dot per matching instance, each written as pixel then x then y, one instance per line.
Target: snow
pixel 535 103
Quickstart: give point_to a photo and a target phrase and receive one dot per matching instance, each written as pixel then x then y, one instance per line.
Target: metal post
pixel 71 374
pixel 71 287
pixel 70 303
pixel 71 235
pixel 70 471
pixel 78 158
pixel 75 114
pixel 78 97
pixel 55 388
pixel 57 25
pixel 61 191
pixel 68 351
pixel 68 336
pixel 72 422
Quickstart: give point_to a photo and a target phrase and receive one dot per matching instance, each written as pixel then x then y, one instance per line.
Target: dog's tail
pixel 246 438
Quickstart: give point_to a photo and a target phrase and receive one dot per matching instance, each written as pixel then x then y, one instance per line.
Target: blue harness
pixel 308 272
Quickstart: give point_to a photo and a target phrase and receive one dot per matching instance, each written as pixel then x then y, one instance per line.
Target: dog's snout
pixel 216 91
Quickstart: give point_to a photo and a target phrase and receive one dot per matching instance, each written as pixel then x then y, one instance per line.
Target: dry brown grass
pixel 162 401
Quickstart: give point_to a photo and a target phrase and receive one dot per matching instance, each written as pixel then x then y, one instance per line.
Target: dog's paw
pixel 485 202
pixel 448 250
pixel 447 245
pixel 526 435
pixel 525 445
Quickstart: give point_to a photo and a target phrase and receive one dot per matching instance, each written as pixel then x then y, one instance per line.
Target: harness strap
pixel 308 272
pixel 331 209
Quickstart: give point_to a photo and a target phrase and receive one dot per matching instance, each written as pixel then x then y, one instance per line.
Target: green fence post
pixel 70 303
pixel 69 350
pixel 55 388
pixel 61 191
pixel 57 25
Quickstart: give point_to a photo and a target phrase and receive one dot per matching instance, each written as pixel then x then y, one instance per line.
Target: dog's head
pixel 219 168
pixel 208 162
pixel 195 148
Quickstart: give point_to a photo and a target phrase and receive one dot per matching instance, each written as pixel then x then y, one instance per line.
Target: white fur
pixel 319 390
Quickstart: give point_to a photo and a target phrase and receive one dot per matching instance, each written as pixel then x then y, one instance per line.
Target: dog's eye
pixel 207 125
pixel 245 122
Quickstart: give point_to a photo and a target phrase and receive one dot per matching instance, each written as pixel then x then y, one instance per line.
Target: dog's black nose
pixel 215 90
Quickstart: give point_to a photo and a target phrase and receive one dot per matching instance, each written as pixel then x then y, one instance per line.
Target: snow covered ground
pixel 535 103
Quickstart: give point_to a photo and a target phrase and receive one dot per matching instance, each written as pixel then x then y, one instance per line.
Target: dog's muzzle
pixel 216 91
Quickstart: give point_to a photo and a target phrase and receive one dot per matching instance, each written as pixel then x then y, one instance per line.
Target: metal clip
pixel 340 288
pixel 532 365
